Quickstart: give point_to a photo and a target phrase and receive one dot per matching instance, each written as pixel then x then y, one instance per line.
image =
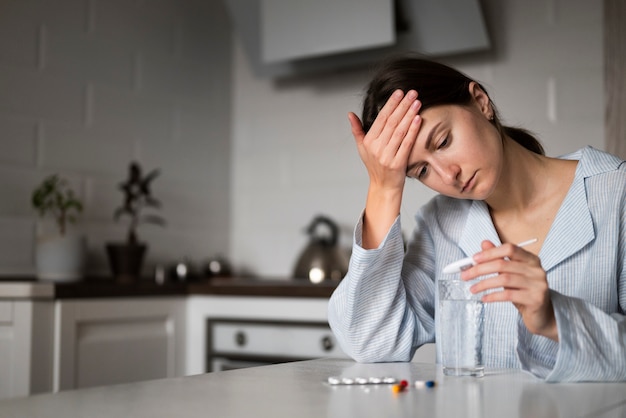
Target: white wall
pixel 86 86
pixel 293 155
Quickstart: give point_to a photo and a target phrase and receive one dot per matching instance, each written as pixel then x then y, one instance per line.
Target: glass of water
pixel 461 322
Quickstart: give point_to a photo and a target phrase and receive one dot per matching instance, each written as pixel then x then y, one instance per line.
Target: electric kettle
pixel 322 259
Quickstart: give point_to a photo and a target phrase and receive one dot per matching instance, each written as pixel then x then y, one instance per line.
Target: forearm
pixel 367 311
pixel 592 344
pixel 381 211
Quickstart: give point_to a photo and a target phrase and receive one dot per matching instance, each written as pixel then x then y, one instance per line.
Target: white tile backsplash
pixel 87 58
pixel 86 150
pixel 35 94
pixel 19 137
pixel 24 53
pixel 17 240
pixel 146 116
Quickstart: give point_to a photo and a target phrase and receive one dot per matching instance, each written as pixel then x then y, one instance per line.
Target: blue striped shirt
pixel 385 307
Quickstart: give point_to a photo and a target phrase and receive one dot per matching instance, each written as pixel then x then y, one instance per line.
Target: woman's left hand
pixel 520 279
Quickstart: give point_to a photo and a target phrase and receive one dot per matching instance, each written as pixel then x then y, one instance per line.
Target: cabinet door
pixel 103 342
pixel 26 347
pixel 9 365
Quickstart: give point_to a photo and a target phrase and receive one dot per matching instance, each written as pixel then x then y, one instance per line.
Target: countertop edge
pixel 86 289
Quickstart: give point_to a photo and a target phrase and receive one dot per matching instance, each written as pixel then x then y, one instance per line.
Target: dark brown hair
pixel 437 84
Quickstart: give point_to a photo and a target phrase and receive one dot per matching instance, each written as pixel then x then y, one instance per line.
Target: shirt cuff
pixel 394 230
pixel 536 353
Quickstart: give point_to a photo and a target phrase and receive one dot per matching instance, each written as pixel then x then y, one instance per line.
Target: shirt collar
pixel 572 228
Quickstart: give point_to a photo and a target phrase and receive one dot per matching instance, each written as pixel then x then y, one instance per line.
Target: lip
pixel 469 185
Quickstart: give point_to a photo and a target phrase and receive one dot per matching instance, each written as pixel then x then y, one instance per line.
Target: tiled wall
pixel 87 86
pixel 294 157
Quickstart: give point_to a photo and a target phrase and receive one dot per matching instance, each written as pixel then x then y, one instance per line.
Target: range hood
pixel 284 38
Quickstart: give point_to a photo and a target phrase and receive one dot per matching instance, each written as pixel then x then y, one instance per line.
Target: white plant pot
pixel 61 258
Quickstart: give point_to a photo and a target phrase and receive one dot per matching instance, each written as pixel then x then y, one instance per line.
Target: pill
pixel 334 380
pixel 360 380
pixel 424 384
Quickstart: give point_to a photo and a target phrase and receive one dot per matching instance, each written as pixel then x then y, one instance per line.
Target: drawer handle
pixel 240 339
pixel 327 343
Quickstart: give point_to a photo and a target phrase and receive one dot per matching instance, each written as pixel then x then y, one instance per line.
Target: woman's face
pixel 458 151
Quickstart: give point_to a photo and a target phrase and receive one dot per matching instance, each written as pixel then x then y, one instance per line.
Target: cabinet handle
pixel 327 343
pixel 240 338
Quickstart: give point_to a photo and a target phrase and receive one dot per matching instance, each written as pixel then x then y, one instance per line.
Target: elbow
pixel 365 355
pixel 361 355
pixel 370 349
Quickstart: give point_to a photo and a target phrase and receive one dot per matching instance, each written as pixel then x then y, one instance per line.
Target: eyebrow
pixel 429 140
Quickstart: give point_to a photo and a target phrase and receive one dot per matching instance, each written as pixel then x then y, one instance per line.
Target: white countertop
pixel 26 290
pixel 300 390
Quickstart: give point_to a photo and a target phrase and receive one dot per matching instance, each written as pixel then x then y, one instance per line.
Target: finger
pixel 508 250
pixel 393 126
pixel 405 134
pixel 384 113
pixel 516 296
pixel 521 298
pixel 407 144
pixel 486 245
pixel 511 274
pixel 500 266
pixel 357 127
pixel 485 268
pixel 406 128
pixel 392 115
pixel 505 280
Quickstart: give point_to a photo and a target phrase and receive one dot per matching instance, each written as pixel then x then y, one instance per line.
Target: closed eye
pixel 421 172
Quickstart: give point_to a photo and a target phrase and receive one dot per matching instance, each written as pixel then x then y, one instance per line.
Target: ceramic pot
pixel 61 258
pixel 126 261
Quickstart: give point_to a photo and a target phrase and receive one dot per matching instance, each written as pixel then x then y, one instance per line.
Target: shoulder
pixel 594 162
pixel 603 177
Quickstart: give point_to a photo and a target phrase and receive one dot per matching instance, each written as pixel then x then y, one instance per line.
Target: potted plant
pixel 60 255
pixel 126 259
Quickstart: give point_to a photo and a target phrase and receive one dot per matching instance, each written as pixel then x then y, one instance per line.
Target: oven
pixel 235 344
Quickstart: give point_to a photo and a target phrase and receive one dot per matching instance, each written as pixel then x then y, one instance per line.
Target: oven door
pixel 245 343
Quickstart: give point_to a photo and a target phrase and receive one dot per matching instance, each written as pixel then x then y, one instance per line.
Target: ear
pixel 481 99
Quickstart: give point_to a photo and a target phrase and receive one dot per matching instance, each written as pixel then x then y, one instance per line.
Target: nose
pixel 448 172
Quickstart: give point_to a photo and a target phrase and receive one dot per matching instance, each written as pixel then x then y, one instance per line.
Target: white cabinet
pixel 109 341
pixel 48 345
pixel 26 347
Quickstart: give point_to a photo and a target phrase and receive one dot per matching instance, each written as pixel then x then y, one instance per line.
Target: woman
pixel 554 308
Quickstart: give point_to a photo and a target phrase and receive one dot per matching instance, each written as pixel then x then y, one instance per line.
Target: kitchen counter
pixel 263 287
pixel 99 288
pixel 299 389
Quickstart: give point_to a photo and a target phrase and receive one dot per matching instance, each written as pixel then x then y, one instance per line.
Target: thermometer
pixel 468 262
